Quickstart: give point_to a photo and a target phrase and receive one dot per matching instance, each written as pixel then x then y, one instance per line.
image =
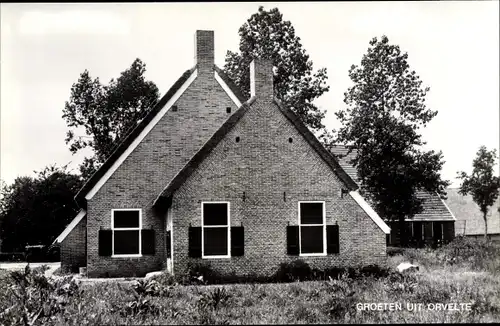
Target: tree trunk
pixel 485 225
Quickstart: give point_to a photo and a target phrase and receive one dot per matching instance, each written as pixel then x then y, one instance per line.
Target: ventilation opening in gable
pixel 174 108
pixel 228 109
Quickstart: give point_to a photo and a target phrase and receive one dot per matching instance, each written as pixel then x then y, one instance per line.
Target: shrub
pixel 297 270
pixel 202 273
pixel 393 251
pixel 473 252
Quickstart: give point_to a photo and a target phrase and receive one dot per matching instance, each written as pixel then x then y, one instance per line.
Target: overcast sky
pixel 453 46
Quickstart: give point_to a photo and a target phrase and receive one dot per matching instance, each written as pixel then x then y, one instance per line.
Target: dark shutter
pixel 237 241
pixel 168 244
pixel 292 239
pixel 194 241
pixel 105 239
pixel 332 239
pixel 148 242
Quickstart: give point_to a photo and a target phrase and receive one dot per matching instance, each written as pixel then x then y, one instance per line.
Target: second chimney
pixel 204 51
pixel 261 79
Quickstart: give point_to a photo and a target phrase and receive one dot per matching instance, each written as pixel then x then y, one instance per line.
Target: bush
pixel 297 270
pixel 475 252
pixel 393 251
pixel 12 256
pixel 201 273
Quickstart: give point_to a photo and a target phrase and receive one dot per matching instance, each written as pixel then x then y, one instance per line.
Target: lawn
pixel 465 276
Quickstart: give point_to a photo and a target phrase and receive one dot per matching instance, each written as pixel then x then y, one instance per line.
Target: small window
pixel 228 109
pixel 238 139
pixel 215 230
pixel 312 228
pixel 126 227
pixel 290 140
pixel 174 108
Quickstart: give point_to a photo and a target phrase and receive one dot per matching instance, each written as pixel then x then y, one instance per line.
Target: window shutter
pixel 105 242
pixel 168 244
pixel 237 241
pixel 195 241
pixel 292 239
pixel 332 239
pixel 148 242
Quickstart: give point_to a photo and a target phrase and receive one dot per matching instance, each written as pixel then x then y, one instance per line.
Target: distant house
pixel 210 176
pixel 470 220
pixel 433 226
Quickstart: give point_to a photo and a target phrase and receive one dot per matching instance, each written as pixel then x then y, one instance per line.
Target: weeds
pixel 32 299
pixel 214 299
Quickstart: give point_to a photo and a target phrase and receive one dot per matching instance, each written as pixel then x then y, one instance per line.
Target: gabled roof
pixel 81 214
pixel 195 161
pixel 434 208
pixel 469 217
pixel 128 141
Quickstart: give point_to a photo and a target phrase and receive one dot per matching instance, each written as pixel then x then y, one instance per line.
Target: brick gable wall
pixel 73 253
pixel 264 165
pixel 149 168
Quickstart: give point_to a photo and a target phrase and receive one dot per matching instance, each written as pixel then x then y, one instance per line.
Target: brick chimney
pixel 261 79
pixel 204 51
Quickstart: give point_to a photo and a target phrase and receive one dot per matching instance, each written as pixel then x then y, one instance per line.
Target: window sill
pixel 313 255
pixel 126 256
pixel 215 257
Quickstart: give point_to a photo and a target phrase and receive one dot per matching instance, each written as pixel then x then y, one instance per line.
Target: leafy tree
pixel 35 210
pixel 482 184
pixel 267 35
pixel 385 110
pixel 106 113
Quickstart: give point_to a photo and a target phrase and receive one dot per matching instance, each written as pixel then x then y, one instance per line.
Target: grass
pixel 446 276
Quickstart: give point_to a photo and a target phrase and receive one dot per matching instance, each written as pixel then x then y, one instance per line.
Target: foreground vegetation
pixel 465 271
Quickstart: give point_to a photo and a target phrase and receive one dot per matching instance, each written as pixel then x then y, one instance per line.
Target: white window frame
pixel 323 225
pixel 228 226
pixel 125 229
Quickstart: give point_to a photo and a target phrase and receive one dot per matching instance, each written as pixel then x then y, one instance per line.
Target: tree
pixel 106 113
pixel 35 210
pixel 266 35
pixel 482 184
pixel 385 110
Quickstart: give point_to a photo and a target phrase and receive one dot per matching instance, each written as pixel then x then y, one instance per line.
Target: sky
pixel 452 45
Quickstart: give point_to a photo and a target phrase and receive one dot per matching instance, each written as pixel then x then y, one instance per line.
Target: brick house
pixel 209 176
pixel 433 226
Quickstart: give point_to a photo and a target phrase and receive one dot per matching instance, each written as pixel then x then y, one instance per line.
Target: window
pixel 312 228
pixel 126 226
pixel 215 229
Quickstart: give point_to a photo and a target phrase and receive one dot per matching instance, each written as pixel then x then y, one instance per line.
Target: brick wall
pixel 150 167
pixel 73 253
pixel 264 164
